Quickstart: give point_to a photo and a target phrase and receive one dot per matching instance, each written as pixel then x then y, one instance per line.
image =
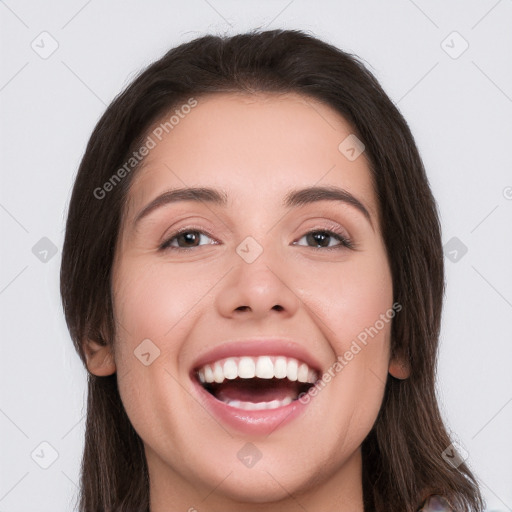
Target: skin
pixel 257 148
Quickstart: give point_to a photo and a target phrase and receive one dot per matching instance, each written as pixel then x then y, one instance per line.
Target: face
pixel 233 299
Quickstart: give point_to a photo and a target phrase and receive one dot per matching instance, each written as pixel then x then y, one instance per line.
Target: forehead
pixel 254 147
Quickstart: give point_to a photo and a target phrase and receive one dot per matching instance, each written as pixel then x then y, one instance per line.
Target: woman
pixel 253 275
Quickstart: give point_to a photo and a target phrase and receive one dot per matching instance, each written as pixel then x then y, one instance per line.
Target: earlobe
pixel 399 369
pixel 100 360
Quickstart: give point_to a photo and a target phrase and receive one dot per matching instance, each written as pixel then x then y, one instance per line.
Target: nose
pixel 257 290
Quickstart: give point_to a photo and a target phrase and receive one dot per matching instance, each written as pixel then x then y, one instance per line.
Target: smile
pixel 255 390
pixel 256 383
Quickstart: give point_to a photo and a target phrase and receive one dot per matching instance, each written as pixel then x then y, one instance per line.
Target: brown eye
pixel 189 239
pixel 322 239
pixel 185 239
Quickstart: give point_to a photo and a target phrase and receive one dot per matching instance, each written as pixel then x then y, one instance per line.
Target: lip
pixel 260 422
pixel 257 347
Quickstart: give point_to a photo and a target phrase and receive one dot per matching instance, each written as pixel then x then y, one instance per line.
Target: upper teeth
pixel 264 367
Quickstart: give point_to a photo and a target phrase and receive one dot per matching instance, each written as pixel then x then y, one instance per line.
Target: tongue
pixel 256 390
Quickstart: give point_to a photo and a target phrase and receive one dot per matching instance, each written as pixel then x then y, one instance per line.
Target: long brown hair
pixel 402 455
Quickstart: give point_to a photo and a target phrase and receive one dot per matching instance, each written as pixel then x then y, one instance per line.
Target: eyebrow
pixel 293 199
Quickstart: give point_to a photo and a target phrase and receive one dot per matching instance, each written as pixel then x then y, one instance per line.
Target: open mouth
pixel 257 383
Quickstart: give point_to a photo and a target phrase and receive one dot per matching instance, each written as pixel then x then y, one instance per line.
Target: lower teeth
pixel 251 406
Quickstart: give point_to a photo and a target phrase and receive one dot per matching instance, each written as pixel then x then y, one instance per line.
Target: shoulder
pixel 436 503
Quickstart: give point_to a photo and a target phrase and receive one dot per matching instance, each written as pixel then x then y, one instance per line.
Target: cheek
pixel 354 384
pixel 354 304
pixel 151 300
pixel 362 320
pixel 349 297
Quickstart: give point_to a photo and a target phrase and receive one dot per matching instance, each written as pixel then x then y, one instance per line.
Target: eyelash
pixel 333 231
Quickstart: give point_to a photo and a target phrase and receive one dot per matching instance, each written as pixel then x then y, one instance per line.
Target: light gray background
pixel 460 111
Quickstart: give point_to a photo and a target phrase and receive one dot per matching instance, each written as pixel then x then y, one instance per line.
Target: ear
pixel 399 368
pixel 100 359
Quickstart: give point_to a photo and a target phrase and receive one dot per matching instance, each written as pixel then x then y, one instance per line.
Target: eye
pixel 323 239
pixel 187 238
